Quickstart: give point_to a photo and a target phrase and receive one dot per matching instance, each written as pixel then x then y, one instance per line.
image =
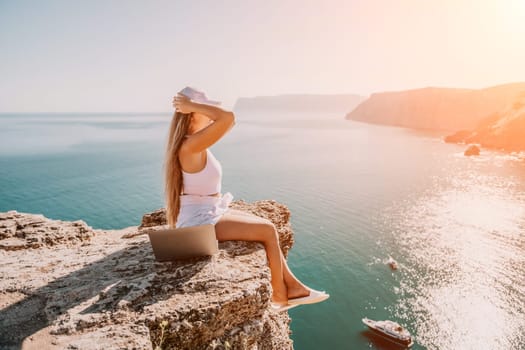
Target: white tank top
pixel 204 182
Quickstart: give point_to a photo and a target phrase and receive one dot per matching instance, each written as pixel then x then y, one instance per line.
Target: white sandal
pixel 315 296
pixel 281 307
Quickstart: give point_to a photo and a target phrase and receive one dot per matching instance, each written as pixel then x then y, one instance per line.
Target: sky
pixel 133 56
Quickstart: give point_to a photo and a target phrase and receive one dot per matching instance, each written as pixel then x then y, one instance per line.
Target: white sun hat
pixel 198 96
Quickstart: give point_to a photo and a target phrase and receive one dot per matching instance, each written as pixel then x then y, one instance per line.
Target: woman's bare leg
pixel 295 288
pixel 233 227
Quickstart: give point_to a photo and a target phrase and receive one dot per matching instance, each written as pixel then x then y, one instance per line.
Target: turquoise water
pixel 357 194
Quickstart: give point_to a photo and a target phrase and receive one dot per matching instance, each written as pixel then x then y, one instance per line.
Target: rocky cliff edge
pixel 65 285
pixel 503 131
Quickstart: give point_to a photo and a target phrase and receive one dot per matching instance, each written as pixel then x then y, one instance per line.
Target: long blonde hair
pixel 172 170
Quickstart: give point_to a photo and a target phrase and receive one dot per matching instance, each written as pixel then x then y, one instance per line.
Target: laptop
pixel 183 242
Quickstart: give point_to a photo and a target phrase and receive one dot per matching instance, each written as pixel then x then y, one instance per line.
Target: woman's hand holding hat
pixel 182 104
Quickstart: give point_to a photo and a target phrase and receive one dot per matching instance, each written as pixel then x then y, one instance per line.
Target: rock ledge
pixel 65 285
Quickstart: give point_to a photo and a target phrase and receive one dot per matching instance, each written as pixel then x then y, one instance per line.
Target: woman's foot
pixel 298 291
pixel 279 297
pixel 313 296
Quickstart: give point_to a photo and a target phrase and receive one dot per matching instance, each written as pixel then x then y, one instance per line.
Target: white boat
pixel 390 330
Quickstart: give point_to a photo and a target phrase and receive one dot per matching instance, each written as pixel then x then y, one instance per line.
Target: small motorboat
pixel 390 330
pixel 392 263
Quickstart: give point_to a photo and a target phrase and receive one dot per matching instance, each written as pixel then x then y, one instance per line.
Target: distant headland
pixel 493 117
pixel 337 103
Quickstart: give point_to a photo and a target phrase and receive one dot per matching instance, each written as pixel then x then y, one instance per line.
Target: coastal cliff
pixel 436 108
pixel 65 285
pixel 336 103
pixel 503 131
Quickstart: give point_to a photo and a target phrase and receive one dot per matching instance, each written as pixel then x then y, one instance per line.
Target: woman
pixel 193 191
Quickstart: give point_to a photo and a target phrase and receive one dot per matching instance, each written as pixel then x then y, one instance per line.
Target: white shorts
pixel 201 210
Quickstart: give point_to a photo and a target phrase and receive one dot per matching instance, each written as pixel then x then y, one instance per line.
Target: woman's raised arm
pixel 223 120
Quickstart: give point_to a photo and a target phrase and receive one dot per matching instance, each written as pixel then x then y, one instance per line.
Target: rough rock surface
pixel 472 150
pixel 65 285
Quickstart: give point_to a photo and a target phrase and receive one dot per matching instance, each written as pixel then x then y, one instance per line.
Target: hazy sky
pixel 134 55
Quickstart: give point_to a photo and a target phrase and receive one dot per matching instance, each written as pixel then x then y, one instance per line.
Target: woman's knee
pixel 270 232
pixel 265 231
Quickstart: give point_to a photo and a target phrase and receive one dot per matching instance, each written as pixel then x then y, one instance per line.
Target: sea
pixel 358 194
